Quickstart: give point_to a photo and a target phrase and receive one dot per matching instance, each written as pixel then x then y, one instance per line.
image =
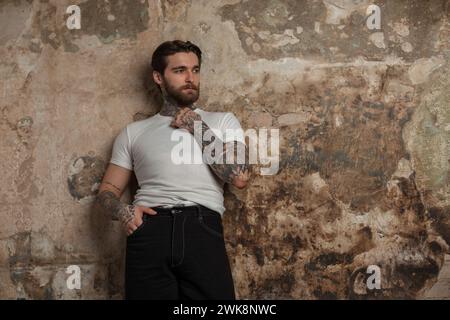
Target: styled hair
pixel 159 61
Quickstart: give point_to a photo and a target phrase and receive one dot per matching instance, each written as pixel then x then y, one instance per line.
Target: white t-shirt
pixel 149 147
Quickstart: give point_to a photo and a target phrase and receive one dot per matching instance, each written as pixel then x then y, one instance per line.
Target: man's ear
pixel 157 77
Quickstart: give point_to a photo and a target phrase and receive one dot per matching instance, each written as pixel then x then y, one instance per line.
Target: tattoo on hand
pixel 187 121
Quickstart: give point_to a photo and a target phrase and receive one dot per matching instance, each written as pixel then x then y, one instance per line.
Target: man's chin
pixel 183 97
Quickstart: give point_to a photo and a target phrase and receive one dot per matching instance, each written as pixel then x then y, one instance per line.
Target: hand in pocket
pixel 136 222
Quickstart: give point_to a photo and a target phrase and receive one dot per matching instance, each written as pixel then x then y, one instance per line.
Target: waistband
pixel 195 210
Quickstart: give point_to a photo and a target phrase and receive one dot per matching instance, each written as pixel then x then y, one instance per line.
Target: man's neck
pixel 170 106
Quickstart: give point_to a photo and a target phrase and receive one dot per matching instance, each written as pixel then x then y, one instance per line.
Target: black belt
pixel 194 210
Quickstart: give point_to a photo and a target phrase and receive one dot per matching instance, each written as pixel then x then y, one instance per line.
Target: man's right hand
pixel 137 212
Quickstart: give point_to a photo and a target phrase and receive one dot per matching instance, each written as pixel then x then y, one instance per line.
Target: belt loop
pixel 199 212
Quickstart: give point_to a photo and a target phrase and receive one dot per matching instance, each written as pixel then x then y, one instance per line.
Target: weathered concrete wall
pixel 364 123
pixel 441 288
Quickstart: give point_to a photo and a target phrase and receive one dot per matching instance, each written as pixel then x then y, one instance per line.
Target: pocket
pixel 141 226
pixel 212 225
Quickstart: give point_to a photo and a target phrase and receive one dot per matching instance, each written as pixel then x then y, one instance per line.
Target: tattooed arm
pixel 108 198
pixel 119 210
pixel 228 171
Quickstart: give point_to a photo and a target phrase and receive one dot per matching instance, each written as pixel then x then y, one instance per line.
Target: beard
pixel 181 97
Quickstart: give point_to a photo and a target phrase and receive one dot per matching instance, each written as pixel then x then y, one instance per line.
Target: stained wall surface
pixel 364 130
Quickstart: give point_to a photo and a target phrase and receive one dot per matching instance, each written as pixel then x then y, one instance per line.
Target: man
pixel 175 244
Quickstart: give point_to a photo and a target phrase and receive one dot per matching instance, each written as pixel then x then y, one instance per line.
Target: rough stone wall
pixel 364 122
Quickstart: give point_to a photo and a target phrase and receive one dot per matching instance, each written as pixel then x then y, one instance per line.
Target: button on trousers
pixel 178 254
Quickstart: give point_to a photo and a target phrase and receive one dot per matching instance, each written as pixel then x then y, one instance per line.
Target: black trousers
pixel 179 253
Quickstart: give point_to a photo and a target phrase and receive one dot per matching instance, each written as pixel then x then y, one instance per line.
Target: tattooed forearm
pixel 229 171
pixel 112 185
pixel 229 167
pixel 225 164
pixel 119 210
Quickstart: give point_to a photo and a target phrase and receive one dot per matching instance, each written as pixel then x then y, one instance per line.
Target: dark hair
pixel 159 62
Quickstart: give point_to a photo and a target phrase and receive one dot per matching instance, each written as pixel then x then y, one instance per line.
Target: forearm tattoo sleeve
pixel 118 210
pixel 228 167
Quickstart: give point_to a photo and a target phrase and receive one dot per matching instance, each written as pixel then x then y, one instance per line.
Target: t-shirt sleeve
pixel 121 153
pixel 231 129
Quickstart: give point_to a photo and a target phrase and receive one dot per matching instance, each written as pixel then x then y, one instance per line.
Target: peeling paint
pixel 364 140
pixel 84 177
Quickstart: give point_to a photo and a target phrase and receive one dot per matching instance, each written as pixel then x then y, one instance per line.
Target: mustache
pixel 189 86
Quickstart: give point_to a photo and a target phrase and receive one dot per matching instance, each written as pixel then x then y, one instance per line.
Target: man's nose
pixel 189 76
